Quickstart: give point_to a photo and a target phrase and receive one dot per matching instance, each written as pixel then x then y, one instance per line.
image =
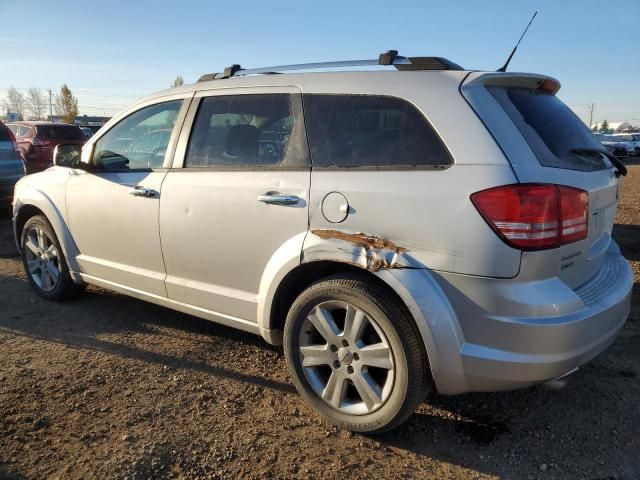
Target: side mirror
pixel 67 156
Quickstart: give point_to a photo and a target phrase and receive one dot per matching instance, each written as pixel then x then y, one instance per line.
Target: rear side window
pixel 263 130
pixel 351 131
pixel 551 129
pixel 66 132
pixel 23 131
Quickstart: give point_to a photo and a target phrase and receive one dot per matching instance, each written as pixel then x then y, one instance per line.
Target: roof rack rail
pixel 389 57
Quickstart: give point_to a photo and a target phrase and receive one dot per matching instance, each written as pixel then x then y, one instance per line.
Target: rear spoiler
pixel 522 80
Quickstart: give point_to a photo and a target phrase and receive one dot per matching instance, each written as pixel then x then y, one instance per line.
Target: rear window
pixel 370 131
pixel 68 132
pixel 551 129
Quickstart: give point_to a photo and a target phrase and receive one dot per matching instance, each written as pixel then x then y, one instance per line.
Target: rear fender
pixel 434 317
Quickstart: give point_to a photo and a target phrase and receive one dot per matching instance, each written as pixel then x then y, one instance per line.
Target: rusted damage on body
pixel 379 253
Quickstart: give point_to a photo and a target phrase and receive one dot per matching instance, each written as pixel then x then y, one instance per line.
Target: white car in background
pixel 631 142
pixel 615 147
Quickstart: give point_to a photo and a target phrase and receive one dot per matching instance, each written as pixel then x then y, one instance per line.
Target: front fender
pixel 51 208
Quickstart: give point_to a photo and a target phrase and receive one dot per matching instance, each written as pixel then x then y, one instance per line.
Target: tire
pixel 365 330
pixel 42 257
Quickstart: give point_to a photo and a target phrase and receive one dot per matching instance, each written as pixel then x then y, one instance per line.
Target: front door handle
pixel 278 199
pixel 140 191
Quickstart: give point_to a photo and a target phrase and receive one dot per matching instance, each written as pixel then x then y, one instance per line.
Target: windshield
pixel 68 132
pixel 551 129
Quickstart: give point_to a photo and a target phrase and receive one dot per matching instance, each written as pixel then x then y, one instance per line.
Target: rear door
pixel 540 135
pixel 236 197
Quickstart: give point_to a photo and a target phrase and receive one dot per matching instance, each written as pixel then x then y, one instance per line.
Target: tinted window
pixel 138 141
pixel 66 132
pixel 247 131
pixel 13 128
pixel 551 129
pixel 5 134
pixel 6 144
pixel 370 131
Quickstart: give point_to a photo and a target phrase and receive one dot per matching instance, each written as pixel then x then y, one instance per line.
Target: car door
pixel 113 206
pixel 238 195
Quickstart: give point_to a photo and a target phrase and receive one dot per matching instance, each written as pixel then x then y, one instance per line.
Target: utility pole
pixel 50 105
pixel 591 108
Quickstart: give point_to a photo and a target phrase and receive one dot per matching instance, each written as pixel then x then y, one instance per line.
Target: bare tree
pixel 178 81
pixel 15 102
pixel 36 102
pixel 66 104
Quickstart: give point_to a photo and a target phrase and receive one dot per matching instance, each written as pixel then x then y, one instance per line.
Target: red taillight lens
pixel 574 212
pixel 549 85
pixel 535 216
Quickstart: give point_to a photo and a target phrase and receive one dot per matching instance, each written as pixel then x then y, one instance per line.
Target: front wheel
pixel 44 261
pixel 355 354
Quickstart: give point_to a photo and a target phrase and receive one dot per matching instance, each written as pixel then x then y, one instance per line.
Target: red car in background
pixel 38 139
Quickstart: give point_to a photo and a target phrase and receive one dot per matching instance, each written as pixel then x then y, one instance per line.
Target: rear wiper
pixel 620 168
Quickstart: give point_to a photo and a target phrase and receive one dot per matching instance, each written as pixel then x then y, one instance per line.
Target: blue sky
pixel 112 52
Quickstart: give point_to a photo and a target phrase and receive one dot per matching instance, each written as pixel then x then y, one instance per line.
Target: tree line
pixel 34 104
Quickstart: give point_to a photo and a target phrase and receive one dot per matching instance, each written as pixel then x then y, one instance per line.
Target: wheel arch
pixel 414 288
pixel 37 203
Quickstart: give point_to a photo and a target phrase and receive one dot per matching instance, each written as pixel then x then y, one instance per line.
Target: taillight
pixel 549 85
pixel 535 216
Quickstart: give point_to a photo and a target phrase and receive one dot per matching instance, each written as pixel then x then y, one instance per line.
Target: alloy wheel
pixel 43 262
pixel 346 358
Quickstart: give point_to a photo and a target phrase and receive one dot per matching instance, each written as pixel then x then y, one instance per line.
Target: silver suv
pixel 407 227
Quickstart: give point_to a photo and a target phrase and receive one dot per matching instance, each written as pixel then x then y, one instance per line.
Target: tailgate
pixel 539 134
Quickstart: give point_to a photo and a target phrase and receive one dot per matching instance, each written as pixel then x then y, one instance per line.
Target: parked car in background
pixel 395 231
pixel 11 165
pixel 88 133
pixel 38 139
pixel 630 140
pixel 617 148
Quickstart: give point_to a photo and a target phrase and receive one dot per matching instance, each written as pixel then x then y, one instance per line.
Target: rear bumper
pixel 38 159
pixel 516 335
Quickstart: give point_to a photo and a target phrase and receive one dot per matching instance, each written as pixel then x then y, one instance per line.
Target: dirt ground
pixel 111 387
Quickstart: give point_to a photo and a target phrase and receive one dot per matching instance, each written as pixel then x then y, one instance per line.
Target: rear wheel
pixel 44 261
pixel 355 355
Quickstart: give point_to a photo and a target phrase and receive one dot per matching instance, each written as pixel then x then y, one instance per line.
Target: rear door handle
pixel 140 191
pixel 278 199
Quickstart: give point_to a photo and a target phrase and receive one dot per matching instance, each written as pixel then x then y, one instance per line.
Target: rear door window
pixel 551 129
pixel 66 132
pixel 247 131
pixel 352 131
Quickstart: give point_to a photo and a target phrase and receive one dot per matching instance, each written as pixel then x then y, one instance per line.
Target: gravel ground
pixel 110 387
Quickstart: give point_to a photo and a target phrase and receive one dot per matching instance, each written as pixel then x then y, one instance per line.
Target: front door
pixel 239 196
pixel 113 207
